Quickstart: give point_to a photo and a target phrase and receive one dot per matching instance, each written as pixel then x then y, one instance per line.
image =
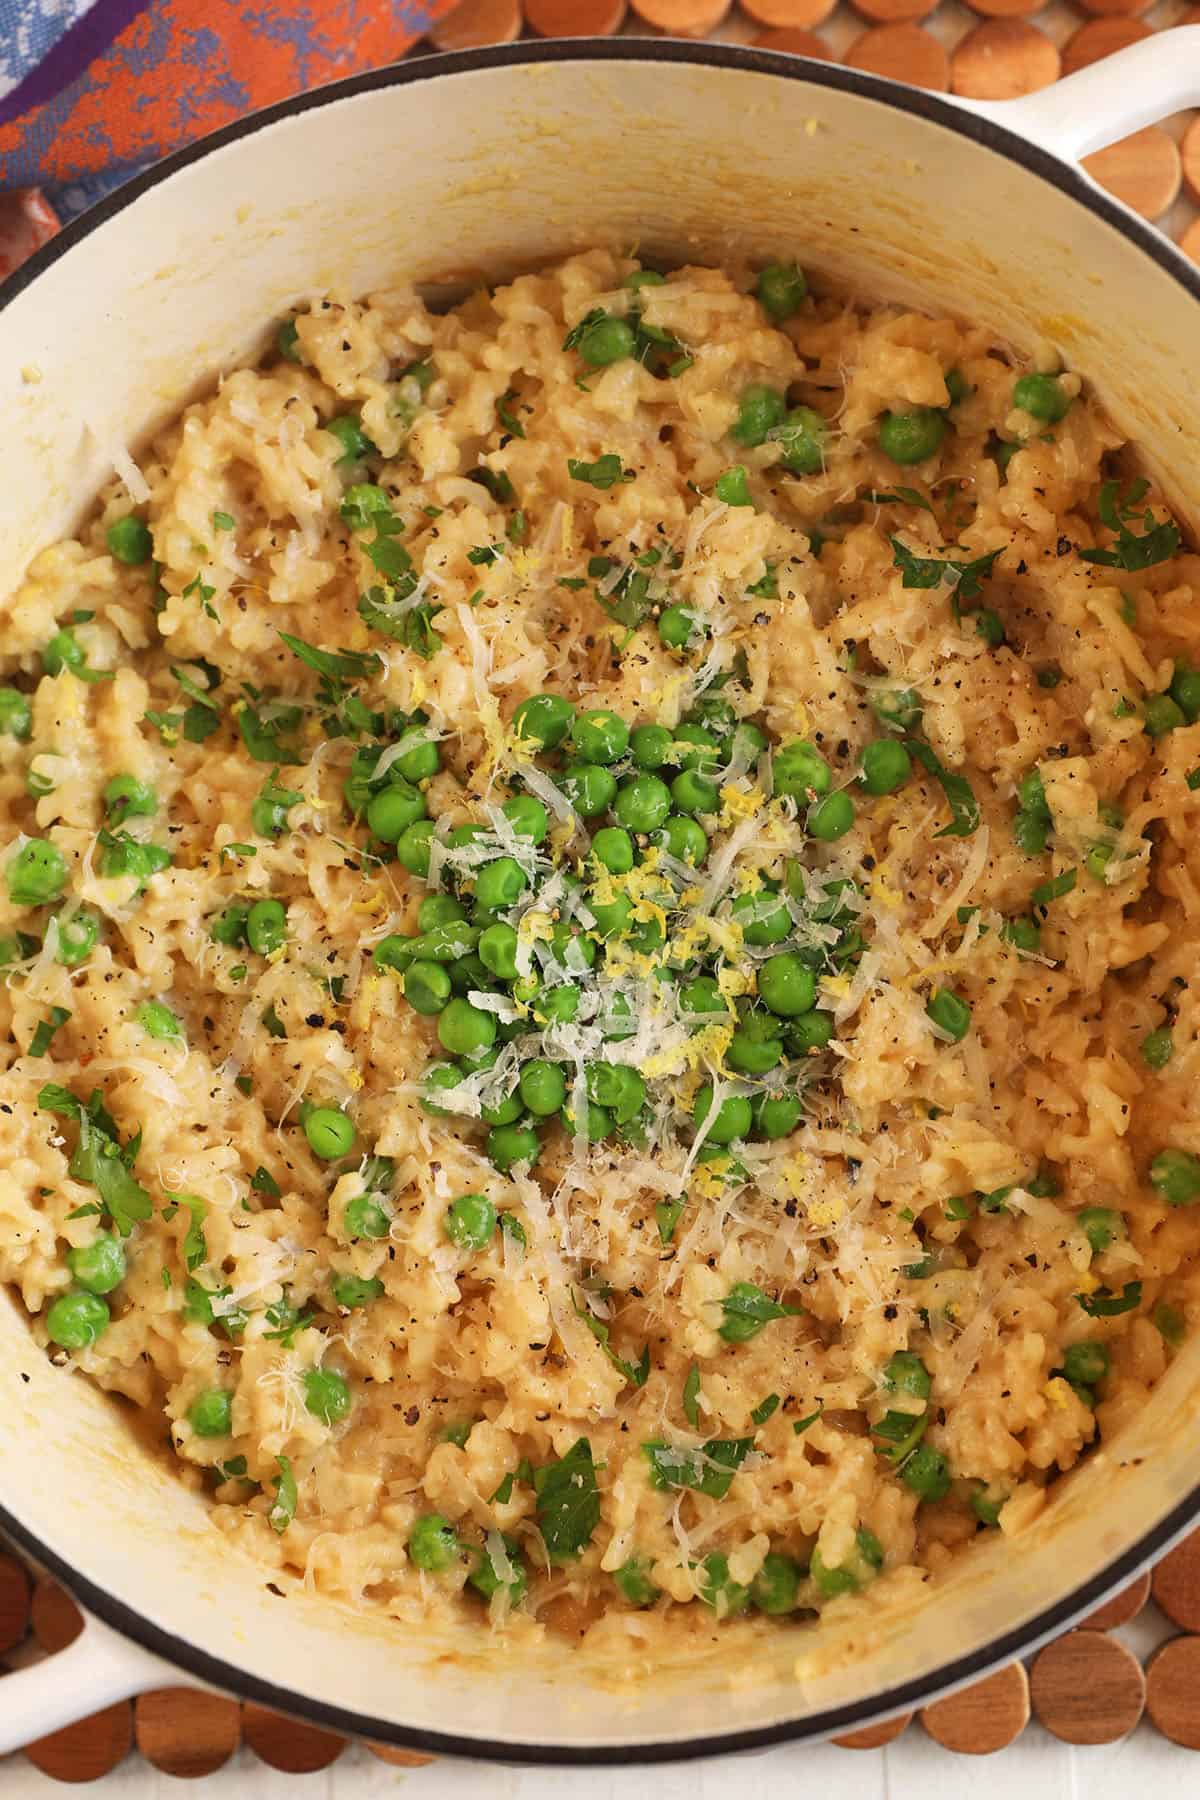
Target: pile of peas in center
pixel 649 797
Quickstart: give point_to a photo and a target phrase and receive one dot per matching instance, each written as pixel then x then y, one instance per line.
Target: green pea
pixel 703 995
pixel 125 797
pixel 266 926
pixel 715 1589
pixel 390 813
pixel 763 917
pixel 802 437
pixel 353 1291
pixel 600 736
pixel 598 1122
pixel 74 1321
pixel 831 817
pixel 527 816
pixel 756 1045
pixel 439 909
pixel 129 857
pixel 1161 715
pixel 732 1120
pixel 1175 1174
pixel 777 1585
pixel 927 1473
pixel 732 489
pixel 1030 832
pixel 781 289
pixel 957 387
pixel 612 848
pixel 15 947
pixel 347 429
pixel 761 408
pixel 498 950
pixel 860 1566
pixel 76 938
pixel 504 1112
pixel 633 1582
pixel 129 540
pixel 787 985
pixel 912 437
pixel 99 1266
pixel 36 873
pixel 509 1145
pixel 470 1221
pixel 642 803
pixel 989 626
pixel 617 1022
pixel 500 883
pixel 905 1373
pixel 1042 397
pixel 463 1028
pixel 899 707
pixel 650 746
pixel 329 1132
pixel 1185 691
pixel 413 846
pixel 679 626
pixel 420 763
pixel 949 1011
pixel 1087 1363
pixel 616 1087
pixel 433 1544
pixel 748 744
pixel 487 1582
pixel 326 1395
pixel 543 719
pixel 364 1217
pixel 211 1413
pixel 692 792
pixel 16 714
pixel 426 987
pixel 158 1021
pixel 1158 1047
pixel 777 1115
pixel 799 769
pixel 269 810
pixel 589 787
pixel 436 1078
pixel 715 714
pixel 683 839
pixel 543 1087
pixel 1101 1226
pixel 557 1006
pixel 394 951
pixel 229 927
pixel 609 340
pixel 886 766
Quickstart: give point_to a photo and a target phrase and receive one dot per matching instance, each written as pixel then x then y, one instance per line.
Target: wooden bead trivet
pixel 903 52
pixel 683 18
pixel 788 14
pixel 794 43
pixel 289 1744
pixel 1189 242
pixel 1173 1691
pixel 1100 38
pixel 983 1718
pixel 14 1603
pixel 1087 1688
pixel 894 12
pixel 1145 171
pixel 1190 156
pixel 476 23
pixel 574 18
pixel 185 1731
pixel 399 1759
pixel 88 1749
pixel 1120 1609
pixel 1175 1584
pixel 55 1618
pixel 874 1737
pixel 1003 59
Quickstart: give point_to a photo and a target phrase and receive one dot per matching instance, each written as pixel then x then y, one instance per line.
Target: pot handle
pixel 97 1670
pixel 1106 101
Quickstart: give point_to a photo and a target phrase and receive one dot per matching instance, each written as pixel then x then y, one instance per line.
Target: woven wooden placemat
pixel 1134 1662
pixel 987 50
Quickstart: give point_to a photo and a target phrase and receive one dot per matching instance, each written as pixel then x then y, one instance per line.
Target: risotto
pixel 599 898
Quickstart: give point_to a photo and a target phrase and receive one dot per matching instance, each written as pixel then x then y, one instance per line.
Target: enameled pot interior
pixel 484 165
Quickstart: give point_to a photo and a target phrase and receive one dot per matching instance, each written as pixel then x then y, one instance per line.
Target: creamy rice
pixel 988 1202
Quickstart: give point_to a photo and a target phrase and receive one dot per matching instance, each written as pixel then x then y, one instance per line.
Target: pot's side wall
pixel 490 171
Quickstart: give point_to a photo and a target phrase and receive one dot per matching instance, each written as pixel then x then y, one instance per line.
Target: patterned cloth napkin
pixel 91 91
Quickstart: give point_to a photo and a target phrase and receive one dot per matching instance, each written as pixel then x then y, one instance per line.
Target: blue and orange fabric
pixel 91 91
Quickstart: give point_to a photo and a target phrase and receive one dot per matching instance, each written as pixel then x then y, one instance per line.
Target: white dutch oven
pixel 487 163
